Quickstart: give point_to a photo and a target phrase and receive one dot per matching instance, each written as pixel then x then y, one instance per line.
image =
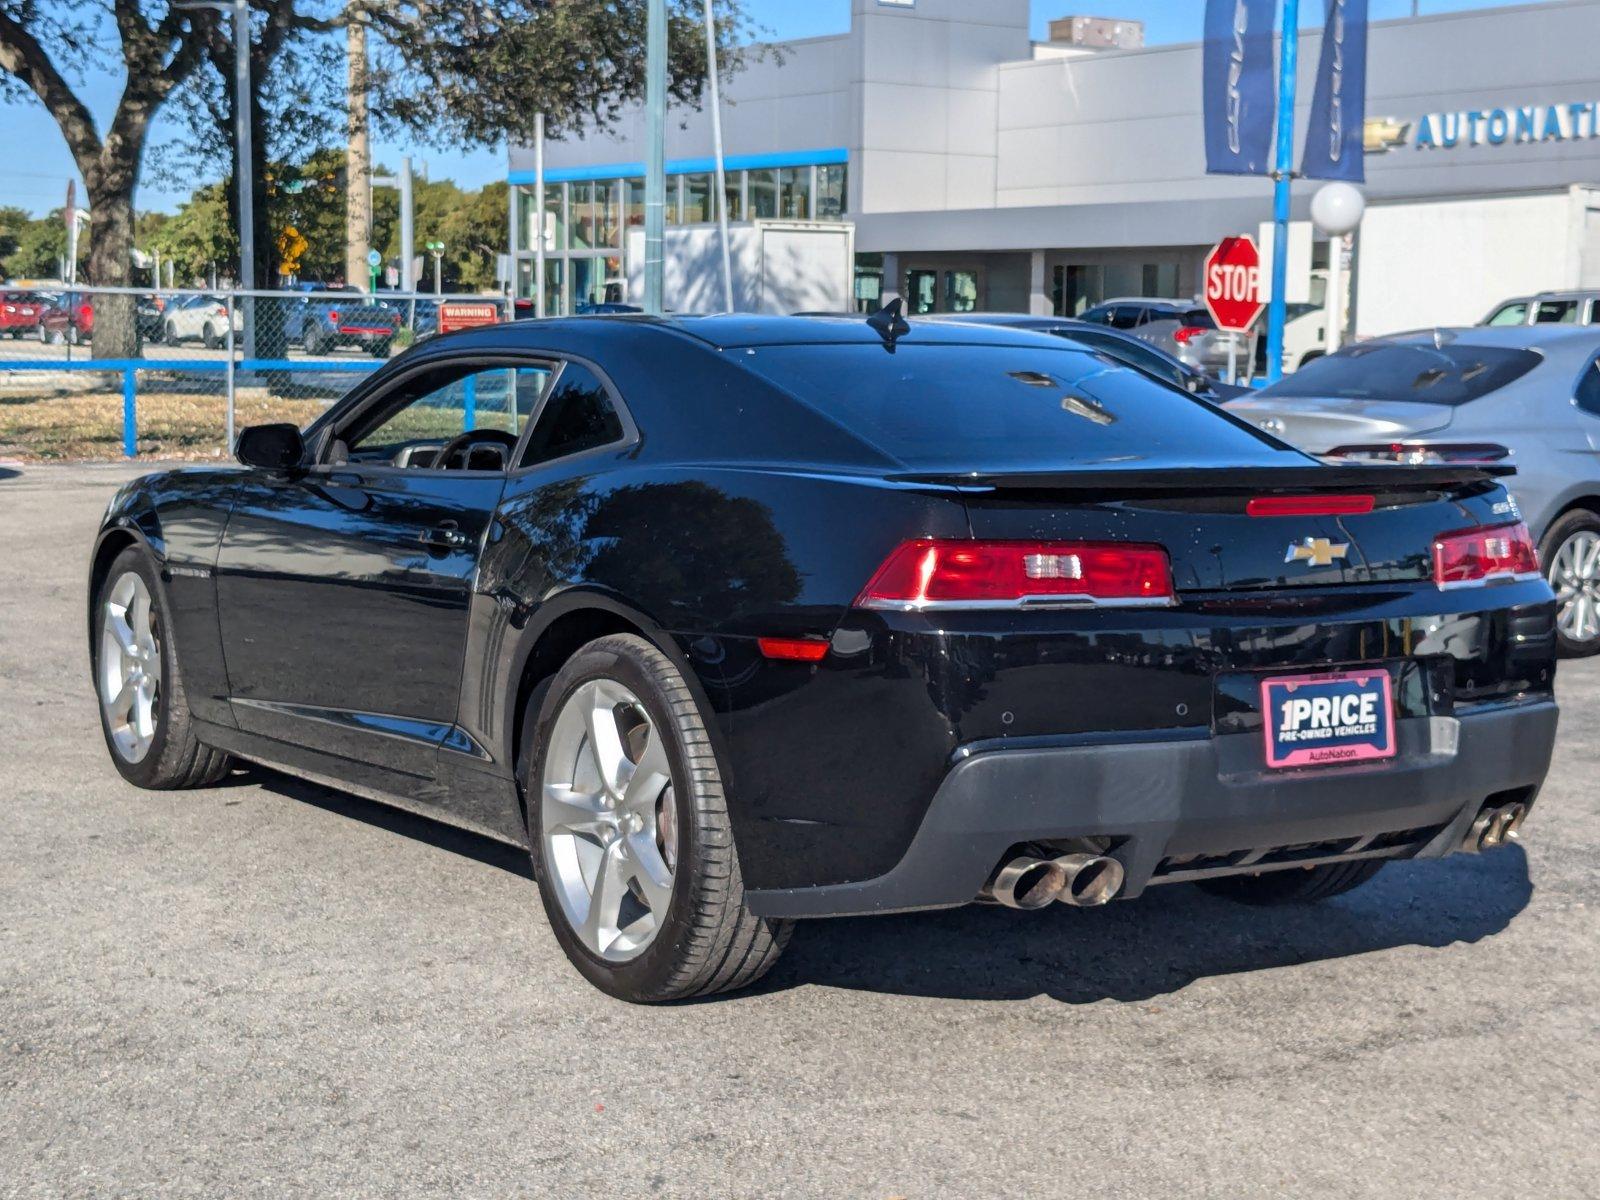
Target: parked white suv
pixel 1548 308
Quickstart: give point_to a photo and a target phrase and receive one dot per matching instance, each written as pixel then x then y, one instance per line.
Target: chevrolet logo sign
pixel 1381 134
pixel 1316 552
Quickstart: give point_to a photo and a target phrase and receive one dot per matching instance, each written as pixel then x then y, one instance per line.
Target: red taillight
pixel 1309 506
pixel 1188 334
pixel 1473 556
pixel 949 573
pixel 333 314
pixel 793 649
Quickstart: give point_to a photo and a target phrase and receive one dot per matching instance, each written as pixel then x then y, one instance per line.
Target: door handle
pixel 446 534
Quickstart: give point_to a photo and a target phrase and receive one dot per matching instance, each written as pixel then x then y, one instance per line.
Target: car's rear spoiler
pixel 1220 480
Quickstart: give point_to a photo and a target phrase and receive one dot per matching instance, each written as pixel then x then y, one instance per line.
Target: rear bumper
pixel 1179 809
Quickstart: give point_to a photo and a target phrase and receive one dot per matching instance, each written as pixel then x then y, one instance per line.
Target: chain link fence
pixel 91 373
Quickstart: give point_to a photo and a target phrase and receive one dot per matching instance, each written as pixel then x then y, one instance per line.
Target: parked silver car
pixel 1524 395
pixel 1548 308
pixel 1183 328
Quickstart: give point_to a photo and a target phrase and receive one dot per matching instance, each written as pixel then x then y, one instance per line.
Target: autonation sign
pixel 1508 126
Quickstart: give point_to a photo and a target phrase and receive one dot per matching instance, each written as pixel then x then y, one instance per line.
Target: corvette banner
pixel 1238 82
pixel 1338 107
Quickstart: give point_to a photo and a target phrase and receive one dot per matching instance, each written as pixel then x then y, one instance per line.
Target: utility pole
pixel 1283 176
pixel 716 143
pixel 402 182
pixel 357 155
pixel 655 179
pixel 539 299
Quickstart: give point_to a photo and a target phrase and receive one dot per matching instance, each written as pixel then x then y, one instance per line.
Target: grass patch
pixel 86 425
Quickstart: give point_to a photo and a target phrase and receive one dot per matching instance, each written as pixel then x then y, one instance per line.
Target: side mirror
pixel 271 447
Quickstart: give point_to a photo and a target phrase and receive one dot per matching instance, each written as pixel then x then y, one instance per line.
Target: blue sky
pixel 41 184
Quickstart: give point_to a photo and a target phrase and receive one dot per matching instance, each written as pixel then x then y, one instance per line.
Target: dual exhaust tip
pixel 1495 827
pixel 1081 880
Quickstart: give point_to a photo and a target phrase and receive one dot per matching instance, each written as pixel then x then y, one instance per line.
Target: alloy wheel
pixel 608 820
pixel 130 667
pixel 1575 579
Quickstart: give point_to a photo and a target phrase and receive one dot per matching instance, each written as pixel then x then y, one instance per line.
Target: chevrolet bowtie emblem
pixel 1318 552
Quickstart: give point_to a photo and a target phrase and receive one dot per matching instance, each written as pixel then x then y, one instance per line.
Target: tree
pixel 43 47
pixel 13 221
pixel 41 247
pixel 446 72
pixel 198 238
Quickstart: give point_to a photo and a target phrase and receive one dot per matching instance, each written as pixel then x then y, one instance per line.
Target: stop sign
pixel 1233 283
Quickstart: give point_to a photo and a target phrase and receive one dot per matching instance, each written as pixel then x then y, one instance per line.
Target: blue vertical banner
pixel 1339 105
pixel 1237 69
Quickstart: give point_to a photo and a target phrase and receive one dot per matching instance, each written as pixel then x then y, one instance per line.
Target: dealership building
pixel 981 170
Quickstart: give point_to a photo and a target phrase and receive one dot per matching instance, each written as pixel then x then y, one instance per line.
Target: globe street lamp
pixel 1336 209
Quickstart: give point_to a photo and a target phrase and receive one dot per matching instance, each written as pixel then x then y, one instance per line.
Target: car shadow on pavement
pixel 8 473
pixel 1154 945
pixel 1127 951
pixel 476 846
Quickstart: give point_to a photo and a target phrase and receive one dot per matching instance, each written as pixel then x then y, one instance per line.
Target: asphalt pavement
pixel 273 989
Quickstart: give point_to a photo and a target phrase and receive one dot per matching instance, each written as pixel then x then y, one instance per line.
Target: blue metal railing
pixel 129 369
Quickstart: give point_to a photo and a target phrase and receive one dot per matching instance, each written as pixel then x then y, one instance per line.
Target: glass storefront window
pixel 1160 279
pixel 608 202
pixel 794 193
pixel 597 281
pixel 833 192
pixel 735 182
pixel 555 217
pixel 1076 289
pixel 922 291
pixel 582 229
pixel 634 212
pixel 763 194
pixel 960 291
pixel 697 208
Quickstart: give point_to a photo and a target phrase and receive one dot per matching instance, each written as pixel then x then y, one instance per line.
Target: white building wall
pixel 1448 262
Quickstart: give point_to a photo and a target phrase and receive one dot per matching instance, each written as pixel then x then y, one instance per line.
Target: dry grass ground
pixel 73 425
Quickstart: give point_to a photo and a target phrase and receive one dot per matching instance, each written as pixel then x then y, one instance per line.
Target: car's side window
pixel 1515 313
pixel 1587 397
pixel 579 415
pixel 1556 312
pixel 1594 312
pixel 1127 316
pixel 409 425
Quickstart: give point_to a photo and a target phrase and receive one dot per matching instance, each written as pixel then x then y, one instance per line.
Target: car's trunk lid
pixel 1202 517
pixel 1318 424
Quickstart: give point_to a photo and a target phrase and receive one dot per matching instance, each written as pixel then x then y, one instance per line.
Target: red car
pixel 20 313
pixel 68 318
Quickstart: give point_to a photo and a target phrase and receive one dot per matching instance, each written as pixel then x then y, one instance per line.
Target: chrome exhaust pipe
pixel 1496 832
pixel 1473 841
pixel 1513 829
pixel 1088 880
pixel 1027 883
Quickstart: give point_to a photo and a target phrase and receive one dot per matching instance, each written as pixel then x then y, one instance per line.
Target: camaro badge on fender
pixel 1318 552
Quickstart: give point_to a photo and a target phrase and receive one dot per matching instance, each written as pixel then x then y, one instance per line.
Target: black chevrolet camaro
pixel 737 620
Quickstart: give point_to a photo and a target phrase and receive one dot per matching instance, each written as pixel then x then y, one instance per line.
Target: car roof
pixel 1149 301
pixel 742 330
pixel 1513 336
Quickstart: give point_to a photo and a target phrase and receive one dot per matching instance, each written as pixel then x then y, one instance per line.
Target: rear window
pixel 964 408
pixel 1422 374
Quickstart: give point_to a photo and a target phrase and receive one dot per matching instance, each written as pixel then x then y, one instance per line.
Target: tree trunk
pixel 110 265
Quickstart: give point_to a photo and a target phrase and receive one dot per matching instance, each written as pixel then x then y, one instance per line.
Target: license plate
pixel 1328 719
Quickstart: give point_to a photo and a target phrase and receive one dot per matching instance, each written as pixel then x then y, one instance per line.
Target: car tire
pixel 313 342
pixel 1306 886
pixel 1570 555
pixel 701 938
pixel 171 337
pixel 165 754
pixel 209 339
